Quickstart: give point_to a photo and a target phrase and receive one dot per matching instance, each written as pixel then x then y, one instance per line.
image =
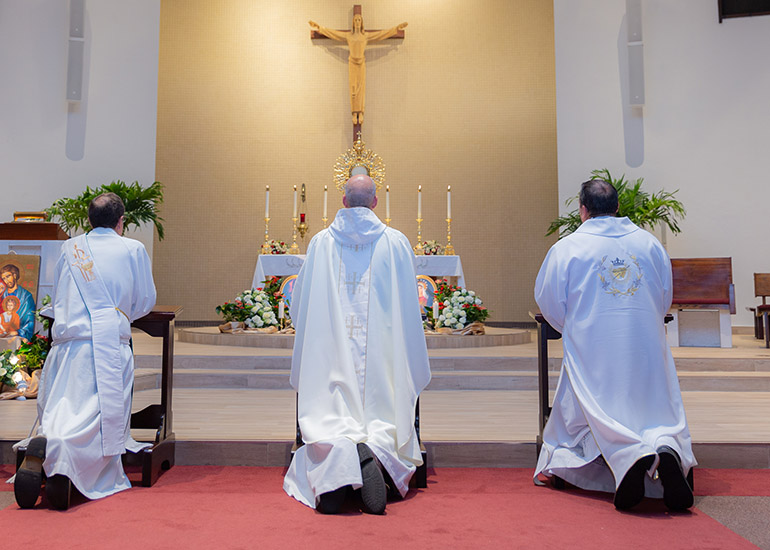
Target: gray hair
pixel 360 191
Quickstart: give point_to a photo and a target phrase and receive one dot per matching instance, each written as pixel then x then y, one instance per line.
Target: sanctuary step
pixel 745 367
pixel 253 427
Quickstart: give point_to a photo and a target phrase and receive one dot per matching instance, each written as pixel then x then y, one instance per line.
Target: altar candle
pixel 281 307
pixel 435 310
pixel 326 199
pixel 294 215
pixel 449 202
pixel 387 201
pixel 419 201
pixel 267 201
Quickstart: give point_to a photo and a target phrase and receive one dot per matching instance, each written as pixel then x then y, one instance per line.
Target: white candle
pixel 326 199
pixel 387 201
pixel 281 307
pixel 267 201
pixel 419 201
pixel 449 202
pixel 435 309
pixel 294 215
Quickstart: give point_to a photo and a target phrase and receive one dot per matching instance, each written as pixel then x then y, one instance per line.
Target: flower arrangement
pixel 33 353
pixel 255 308
pixel 277 247
pixel 458 307
pixel 10 364
pixel 432 248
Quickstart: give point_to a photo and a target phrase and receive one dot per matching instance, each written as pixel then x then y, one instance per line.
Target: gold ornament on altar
pixel 359 157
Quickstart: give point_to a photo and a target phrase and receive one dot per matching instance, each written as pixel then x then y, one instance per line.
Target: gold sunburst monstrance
pixel 359 157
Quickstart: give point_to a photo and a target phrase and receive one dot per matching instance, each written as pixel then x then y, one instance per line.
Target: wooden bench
pixel 704 299
pixel 761 312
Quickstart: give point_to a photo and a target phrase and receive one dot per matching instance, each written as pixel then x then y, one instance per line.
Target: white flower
pixel 260 322
pixel 478 302
pixel 13 360
pixel 462 320
pixel 456 293
pixel 471 293
pixel 3 371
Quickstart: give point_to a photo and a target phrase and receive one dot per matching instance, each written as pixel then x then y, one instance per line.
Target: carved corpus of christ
pixel 357 40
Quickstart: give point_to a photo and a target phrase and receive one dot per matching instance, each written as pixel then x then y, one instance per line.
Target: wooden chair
pixel 420 477
pixel 546 332
pixel 762 290
pixel 702 284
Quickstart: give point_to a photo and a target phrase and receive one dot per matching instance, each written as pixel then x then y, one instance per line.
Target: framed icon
pixel 287 288
pixel 426 292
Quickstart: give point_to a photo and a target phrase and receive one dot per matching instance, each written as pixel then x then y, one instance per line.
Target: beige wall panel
pixel 246 99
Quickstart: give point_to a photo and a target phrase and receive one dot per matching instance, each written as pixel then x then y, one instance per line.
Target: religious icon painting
pixel 18 293
pixel 287 288
pixel 426 292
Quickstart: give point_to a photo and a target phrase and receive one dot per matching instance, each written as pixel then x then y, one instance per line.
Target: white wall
pixel 706 120
pixel 113 130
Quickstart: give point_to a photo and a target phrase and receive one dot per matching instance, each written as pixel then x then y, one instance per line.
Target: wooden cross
pixel 352 325
pixel 357 39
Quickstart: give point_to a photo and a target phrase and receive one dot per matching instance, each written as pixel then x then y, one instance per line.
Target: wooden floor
pixel 456 416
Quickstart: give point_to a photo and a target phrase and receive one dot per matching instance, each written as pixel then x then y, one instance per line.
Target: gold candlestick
pixel 418 249
pixel 266 245
pixel 449 250
pixel 387 222
pixel 324 219
pixel 294 248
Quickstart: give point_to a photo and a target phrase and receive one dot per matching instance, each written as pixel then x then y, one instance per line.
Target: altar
pixel 282 265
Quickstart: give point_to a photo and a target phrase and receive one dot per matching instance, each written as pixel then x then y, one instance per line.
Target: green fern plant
pixel 141 203
pixel 644 209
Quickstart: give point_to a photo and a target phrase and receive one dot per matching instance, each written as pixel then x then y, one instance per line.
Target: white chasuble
pixel 103 282
pixel 360 359
pixel 607 288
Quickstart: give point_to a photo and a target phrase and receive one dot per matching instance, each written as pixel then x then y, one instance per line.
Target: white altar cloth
pixel 282 265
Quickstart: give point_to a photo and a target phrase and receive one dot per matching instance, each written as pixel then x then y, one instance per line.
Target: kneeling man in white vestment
pixel 103 282
pixel 618 423
pixel 359 361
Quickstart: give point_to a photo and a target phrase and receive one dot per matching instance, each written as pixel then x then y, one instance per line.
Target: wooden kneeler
pixel 160 456
pixel 419 479
pixel 546 332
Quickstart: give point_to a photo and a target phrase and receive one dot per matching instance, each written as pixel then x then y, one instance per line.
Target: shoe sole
pixel 631 490
pixel 58 490
pixel 29 477
pixel 677 494
pixel 373 491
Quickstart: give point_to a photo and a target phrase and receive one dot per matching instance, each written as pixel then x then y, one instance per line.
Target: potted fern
pixel 141 204
pixel 644 209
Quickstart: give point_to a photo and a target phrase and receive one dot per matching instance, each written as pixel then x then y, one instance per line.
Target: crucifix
pixel 352 325
pixel 357 40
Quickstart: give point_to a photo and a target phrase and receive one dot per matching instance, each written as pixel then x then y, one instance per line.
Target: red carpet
pixel 230 507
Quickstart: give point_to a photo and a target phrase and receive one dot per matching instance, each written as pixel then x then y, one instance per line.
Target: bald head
pixel 360 191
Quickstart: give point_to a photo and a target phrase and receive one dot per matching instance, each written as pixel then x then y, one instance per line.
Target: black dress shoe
pixel 29 477
pixel 331 502
pixel 373 491
pixel 677 493
pixel 58 490
pixel 631 490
